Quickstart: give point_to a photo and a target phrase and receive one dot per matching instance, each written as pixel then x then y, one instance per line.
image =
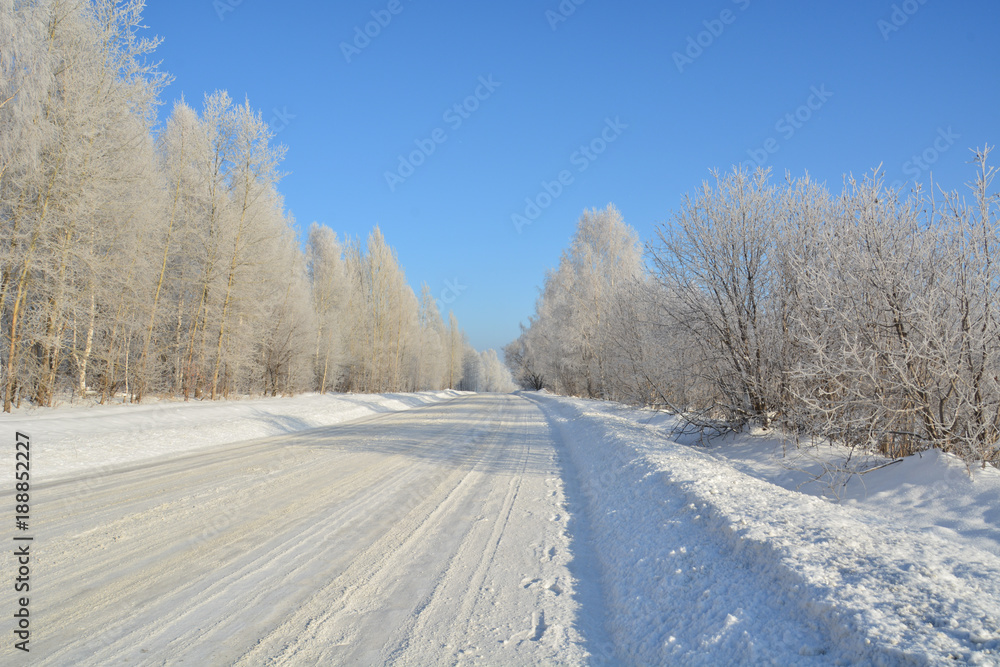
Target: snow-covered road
pixel 488 529
pixel 435 535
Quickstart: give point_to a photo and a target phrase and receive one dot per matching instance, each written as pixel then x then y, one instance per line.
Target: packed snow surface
pixel 441 528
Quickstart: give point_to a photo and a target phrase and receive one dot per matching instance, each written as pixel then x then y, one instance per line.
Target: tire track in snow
pixel 470 585
pixel 376 575
pixel 342 543
pixel 498 548
pixel 168 584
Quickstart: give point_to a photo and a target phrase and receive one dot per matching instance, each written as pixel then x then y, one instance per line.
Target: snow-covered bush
pixel 870 318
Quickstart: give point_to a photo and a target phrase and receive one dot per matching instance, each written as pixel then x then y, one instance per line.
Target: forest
pixel 140 258
pixel 869 318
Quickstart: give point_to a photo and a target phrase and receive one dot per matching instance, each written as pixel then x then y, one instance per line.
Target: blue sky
pixel 631 103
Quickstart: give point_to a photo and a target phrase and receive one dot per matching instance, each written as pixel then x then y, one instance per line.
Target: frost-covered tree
pixel 252 223
pixel 138 259
pixel 330 296
pixel 570 344
pixel 719 264
pixel 68 191
pixel 524 361
pixel 472 370
pixel 496 377
pixel 899 324
pixel 431 353
pixel 291 322
pixel 870 318
pixel 455 350
pixel 385 336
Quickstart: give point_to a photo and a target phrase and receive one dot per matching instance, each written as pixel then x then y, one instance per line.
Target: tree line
pixel 870 317
pixel 139 258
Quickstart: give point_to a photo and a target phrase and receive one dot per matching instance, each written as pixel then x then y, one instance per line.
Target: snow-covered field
pixel 488 529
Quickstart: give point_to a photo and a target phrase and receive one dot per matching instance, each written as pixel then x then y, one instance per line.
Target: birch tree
pixel 571 342
pixel 98 79
pixel 431 368
pixel 251 182
pixel 456 351
pixel 330 296
pixel 289 320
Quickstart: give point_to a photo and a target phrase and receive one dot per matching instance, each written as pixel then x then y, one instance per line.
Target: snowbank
pixel 67 441
pixel 704 563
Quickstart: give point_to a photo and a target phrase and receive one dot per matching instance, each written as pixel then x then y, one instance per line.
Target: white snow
pixel 527 529
pixel 70 440
pixel 708 561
